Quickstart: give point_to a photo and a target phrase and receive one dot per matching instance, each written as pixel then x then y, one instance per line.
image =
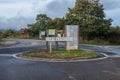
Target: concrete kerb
pixel 58 60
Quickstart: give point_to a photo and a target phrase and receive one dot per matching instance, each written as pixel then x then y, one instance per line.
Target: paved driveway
pixel 18 69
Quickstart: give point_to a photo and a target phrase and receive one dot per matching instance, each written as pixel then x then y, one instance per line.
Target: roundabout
pixel 54 57
pixel 12 68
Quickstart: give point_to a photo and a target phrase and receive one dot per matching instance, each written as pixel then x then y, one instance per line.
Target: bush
pixel 8 33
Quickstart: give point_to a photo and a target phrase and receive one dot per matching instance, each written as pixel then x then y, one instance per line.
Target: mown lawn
pixel 63 54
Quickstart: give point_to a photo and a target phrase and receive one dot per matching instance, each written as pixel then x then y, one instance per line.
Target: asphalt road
pixel 12 68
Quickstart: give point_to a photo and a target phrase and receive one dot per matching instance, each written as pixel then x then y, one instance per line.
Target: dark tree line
pixel 114 34
pixel 88 14
pixel 7 33
pixel 43 23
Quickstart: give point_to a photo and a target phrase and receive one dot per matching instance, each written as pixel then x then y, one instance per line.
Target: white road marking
pixel 6 54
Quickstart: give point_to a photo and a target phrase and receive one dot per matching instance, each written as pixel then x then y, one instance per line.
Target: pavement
pixel 12 68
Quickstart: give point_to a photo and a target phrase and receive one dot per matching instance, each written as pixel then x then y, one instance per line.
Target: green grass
pixel 99 42
pixel 62 54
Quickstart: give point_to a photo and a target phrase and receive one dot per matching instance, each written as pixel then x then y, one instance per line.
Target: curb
pixel 47 60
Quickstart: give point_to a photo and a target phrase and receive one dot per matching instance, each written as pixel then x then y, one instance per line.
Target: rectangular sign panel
pixel 51 31
pixel 42 33
pixel 72 31
pixel 59 38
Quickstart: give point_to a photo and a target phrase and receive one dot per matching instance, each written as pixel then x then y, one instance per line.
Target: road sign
pixel 72 31
pixel 59 39
pixel 42 33
pixel 51 32
pixel 51 39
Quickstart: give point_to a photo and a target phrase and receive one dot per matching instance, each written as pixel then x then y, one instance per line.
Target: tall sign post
pixel 71 37
pixel 72 31
pixel 50 33
pixel 53 39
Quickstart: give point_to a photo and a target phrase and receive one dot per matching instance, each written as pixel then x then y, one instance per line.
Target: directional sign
pixel 59 39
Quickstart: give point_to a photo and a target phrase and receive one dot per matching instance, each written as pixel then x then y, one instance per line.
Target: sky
pixel 16 14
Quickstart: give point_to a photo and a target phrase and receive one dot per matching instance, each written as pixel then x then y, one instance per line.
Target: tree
pixel 114 35
pixel 90 16
pixel 41 21
pixel 59 23
pixel 8 33
pixel 32 30
pixel 40 24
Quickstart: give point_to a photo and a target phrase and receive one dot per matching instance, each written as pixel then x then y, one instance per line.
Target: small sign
pixel 51 31
pixel 42 33
pixel 59 39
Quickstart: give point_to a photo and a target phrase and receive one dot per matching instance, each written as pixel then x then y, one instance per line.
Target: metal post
pixel 50 46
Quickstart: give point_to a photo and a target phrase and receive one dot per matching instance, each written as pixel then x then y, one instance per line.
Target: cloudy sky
pixel 17 14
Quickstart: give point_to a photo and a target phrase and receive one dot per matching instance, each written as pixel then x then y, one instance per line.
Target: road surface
pixel 12 68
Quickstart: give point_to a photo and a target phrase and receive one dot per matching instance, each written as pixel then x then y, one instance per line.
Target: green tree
pixel 114 35
pixel 8 33
pixel 59 23
pixel 41 24
pixel 32 30
pixel 41 21
pixel 90 16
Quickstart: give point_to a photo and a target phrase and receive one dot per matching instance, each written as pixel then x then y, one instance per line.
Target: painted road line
pixel 6 54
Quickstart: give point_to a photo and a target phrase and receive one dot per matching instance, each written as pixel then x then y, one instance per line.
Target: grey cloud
pixel 55 8
pixel 110 4
pixel 112 10
pixel 58 8
pixel 11 1
pixel 15 23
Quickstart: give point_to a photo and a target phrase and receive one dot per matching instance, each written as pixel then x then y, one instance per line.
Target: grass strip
pixel 63 54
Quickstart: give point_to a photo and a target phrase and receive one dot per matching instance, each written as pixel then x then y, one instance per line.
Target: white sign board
pixel 42 33
pixel 72 31
pixel 59 39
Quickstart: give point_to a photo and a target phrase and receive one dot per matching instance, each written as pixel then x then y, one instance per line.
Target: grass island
pixel 61 54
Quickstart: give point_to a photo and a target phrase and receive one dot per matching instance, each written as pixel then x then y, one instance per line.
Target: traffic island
pixel 71 52
pixel 61 55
